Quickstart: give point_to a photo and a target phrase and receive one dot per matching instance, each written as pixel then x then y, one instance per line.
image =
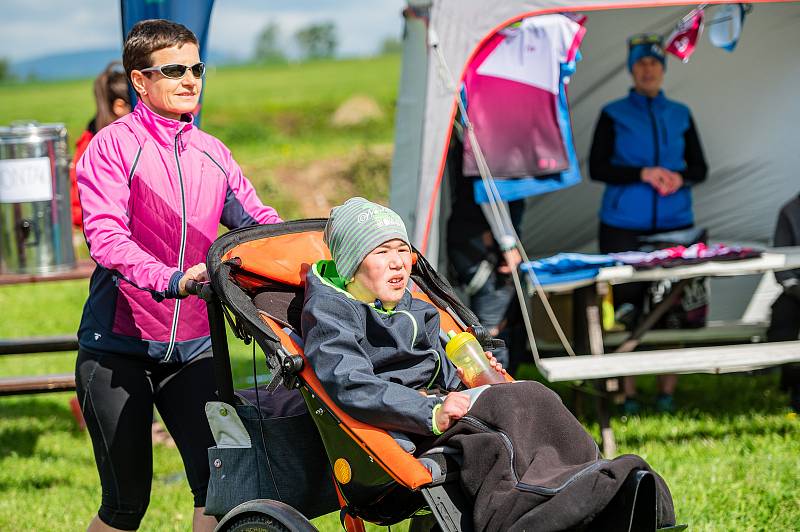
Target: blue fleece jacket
pixel 636 132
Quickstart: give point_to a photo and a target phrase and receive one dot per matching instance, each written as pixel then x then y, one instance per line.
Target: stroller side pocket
pixel 274 452
pixel 291 464
pixel 233 478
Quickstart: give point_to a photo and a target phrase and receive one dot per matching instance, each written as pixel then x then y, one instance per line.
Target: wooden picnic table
pixel 41 344
pixel 603 369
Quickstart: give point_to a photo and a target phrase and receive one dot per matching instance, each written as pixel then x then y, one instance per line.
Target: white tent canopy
pixel 744 105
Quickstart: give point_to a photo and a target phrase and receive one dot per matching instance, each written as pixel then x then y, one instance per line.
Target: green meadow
pixel 729 454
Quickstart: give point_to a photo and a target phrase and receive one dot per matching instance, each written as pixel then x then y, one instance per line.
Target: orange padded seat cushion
pixel 283 258
pixel 400 465
pixel 446 321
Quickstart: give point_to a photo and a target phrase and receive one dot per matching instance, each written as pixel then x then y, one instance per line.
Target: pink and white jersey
pixel 512 89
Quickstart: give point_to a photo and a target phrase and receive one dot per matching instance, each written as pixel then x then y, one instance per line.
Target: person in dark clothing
pixel 785 321
pixel 478 264
pixel 377 353
pixel 647 151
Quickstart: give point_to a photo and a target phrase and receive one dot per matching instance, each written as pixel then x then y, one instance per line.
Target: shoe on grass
pixel 665 403
pixel 631 407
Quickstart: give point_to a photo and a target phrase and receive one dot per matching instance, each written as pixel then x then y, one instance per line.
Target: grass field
pixel 730 455
pixel 276 120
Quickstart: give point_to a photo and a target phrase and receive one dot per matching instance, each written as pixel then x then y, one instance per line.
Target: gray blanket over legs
pixel 530 465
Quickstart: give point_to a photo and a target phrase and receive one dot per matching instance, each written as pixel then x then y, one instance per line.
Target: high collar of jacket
pixel 642 100
pixel 165 130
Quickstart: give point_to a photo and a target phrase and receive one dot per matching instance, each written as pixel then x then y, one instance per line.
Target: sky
pixel 34 28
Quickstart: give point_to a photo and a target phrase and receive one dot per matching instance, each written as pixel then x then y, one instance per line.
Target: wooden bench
pixel 38 344
pixel 716 359
pixel 61 382
pixel 720 333
pixel 50 344
pixel 39 383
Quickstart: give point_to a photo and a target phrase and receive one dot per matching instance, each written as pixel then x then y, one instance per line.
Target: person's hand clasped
pixel 197 273
pixel 665 181
pixel 455 407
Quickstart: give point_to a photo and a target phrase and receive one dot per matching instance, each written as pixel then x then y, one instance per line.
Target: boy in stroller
pixel 526 461
pixel 372 345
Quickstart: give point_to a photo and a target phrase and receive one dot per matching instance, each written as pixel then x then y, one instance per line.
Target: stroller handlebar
pixel 193 287
pixel 196 288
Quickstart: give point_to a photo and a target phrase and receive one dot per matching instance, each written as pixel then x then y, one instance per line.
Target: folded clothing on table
pixel 682 256
pixel 566 267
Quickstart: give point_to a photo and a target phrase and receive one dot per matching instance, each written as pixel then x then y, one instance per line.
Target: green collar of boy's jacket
pixel 325 270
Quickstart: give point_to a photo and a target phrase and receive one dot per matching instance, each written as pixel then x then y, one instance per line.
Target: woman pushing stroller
pixel 527 462
pixel 153 189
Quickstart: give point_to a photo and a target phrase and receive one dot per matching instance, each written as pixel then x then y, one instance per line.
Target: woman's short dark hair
pixel 148 36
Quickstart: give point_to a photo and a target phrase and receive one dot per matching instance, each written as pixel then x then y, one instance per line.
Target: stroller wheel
pixel 264 515
pixel 255 523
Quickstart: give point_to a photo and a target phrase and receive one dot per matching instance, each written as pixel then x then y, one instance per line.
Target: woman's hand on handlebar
pixel 197 273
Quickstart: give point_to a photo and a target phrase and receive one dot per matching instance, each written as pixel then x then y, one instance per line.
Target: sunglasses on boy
pixel 177 71
pixel 645 38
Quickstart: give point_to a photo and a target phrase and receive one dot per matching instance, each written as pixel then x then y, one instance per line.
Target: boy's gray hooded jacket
pixel 372 361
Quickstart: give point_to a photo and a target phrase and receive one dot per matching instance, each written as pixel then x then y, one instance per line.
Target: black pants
pixel 614 240
pixel 117 394
pixel 784 327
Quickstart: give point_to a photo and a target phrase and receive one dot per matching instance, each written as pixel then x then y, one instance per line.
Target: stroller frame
pixel 378 498
pixel 379 492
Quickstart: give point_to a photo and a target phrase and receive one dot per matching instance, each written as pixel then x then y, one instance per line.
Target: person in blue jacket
pixel 647 151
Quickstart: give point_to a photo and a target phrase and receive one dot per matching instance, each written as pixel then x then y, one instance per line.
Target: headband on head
pixel 646 45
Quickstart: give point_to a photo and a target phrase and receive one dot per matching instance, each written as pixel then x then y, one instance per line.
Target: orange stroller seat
pixel 259 273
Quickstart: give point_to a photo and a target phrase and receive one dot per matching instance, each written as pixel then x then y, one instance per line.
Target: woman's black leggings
pixel 614 240
pixel 117 394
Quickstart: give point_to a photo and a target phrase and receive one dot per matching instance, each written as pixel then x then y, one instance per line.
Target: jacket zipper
pixel 541 490
pixel 438 367
pixel 657 157
pixel 475 422
pixel 413 323
pixel 181 252
pixel 414 341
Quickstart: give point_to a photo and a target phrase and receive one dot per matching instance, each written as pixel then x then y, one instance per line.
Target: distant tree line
pixel 314 41
pixel 5 70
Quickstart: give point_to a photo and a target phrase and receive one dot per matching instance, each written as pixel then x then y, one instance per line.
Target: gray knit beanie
pixel 356 228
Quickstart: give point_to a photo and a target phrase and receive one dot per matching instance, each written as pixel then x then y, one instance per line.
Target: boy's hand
pixel 455 407
pixel 498 367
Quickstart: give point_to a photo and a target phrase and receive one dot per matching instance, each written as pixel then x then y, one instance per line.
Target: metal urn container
pixel 35 222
